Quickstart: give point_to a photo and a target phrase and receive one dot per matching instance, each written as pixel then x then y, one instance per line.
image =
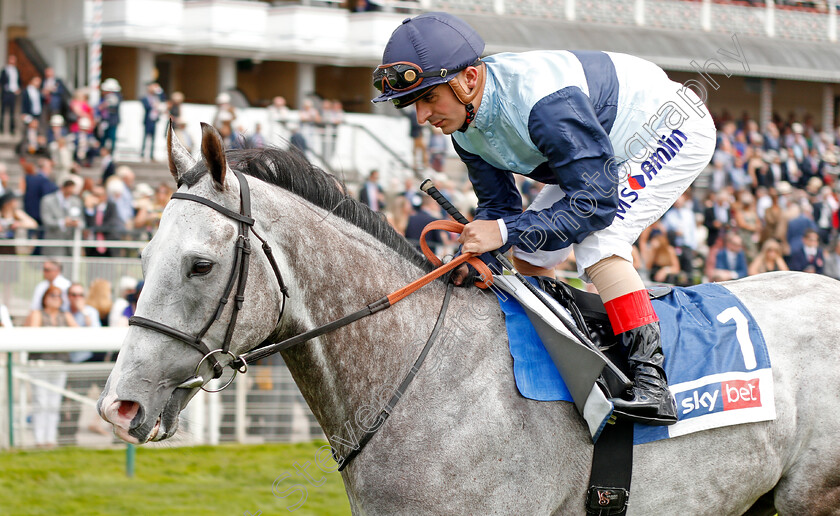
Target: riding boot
pixel 649 401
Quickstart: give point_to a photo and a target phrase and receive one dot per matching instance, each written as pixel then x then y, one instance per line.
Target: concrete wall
pixel 198 78
pixel 352 86
pixel 799 97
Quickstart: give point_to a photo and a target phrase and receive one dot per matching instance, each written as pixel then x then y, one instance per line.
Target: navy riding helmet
pixel 425 51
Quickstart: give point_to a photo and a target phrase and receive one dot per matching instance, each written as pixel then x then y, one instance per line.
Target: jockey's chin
pixel 447 126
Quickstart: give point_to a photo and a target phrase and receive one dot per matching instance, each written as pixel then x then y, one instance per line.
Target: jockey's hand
pixel 480 236
pixel 460 274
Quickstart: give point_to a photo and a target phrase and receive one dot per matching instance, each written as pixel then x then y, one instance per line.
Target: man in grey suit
pixel 61 214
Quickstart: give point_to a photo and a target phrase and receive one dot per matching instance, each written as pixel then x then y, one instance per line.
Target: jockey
pixel 613 139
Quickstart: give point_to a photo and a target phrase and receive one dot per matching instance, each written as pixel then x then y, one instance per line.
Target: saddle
pixel 590 316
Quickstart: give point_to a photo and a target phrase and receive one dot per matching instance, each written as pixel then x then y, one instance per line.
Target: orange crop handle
pixel 472 259
pixel 455 227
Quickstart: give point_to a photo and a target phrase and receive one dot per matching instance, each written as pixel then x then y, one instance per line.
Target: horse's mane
pixel 291 171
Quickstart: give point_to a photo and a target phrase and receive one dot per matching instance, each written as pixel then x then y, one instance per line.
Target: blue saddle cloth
pixel 715 357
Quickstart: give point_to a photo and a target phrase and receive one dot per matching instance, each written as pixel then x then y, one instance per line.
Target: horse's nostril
pixel 128 411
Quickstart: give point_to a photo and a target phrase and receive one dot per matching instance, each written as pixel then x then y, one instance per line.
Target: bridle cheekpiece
pixel 238 271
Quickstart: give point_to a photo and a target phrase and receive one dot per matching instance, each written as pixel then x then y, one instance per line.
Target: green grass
pixel 201 480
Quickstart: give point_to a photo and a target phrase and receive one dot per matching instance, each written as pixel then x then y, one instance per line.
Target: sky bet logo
pixel 718 397
pixel 664 153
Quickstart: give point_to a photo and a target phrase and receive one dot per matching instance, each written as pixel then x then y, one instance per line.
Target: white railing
pixel 618 12
pixel 671 15
pixel 706 15
pixel 355 153
pixel 19 274
pixel 73 248
pixel 739 19
pixel 264 405
pixel 804 25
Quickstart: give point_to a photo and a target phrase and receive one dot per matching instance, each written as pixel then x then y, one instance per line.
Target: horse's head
pixel 193 269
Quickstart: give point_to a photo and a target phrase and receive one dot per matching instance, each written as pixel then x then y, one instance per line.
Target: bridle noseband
pixel 238 271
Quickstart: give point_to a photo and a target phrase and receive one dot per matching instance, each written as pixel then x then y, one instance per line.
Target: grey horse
pixel 462 440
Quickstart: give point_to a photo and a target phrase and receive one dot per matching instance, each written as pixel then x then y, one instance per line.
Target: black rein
pixel 239 270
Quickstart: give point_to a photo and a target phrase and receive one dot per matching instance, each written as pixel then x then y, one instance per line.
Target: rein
pixel 390 299
pixel 239 276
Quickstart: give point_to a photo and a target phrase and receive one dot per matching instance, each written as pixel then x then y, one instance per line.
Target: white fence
pixel 360 144
pixel 20 273
pixel 263 405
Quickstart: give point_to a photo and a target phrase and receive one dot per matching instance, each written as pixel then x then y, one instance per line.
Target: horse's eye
pixel 201 268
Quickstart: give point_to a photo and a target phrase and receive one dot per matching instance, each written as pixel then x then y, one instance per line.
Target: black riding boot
pixel 649 400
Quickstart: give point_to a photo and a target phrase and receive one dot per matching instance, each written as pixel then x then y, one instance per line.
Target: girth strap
pixel 409 377
pixel 612 469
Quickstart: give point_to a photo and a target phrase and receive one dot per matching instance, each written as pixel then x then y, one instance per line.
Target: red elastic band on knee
pixel 630 311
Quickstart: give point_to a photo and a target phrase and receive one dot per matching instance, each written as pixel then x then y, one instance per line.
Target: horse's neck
pixel 339 269
pixel 348 376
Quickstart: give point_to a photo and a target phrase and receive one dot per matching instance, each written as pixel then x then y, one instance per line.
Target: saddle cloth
pixel 715 357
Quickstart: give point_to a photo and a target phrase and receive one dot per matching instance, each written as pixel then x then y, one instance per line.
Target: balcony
pixel 744 18
pixel 318 31
pixel 279 30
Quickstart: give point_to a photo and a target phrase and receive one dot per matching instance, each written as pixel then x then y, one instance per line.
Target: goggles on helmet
pixel 402 75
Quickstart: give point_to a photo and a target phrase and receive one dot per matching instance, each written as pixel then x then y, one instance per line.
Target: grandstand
pixel 305 48
pixel 758 62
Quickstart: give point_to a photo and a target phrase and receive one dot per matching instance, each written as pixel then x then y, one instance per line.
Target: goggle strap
pixel 443 72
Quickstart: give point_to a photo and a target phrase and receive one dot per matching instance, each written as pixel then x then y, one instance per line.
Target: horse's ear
pixel 180 159
pixel 213 151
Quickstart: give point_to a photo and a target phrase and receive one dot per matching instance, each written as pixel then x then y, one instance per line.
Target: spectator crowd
pixel 768 201
pixel 771 203
pixel 54 207
pixel 59 302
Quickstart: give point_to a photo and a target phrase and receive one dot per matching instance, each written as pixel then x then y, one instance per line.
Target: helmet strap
pixel 470 117
pixel 466 97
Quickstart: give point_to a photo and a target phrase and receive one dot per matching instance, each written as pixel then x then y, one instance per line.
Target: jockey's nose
pixel 423 113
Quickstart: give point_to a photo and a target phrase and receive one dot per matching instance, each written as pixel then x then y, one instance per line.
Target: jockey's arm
pixel 565 129
pixel 498 197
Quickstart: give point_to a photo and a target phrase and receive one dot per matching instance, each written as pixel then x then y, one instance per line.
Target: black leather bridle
pixel 238 271
pixel 240 363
